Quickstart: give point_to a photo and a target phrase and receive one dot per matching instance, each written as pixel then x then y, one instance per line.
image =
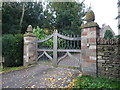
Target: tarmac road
pixel 40 76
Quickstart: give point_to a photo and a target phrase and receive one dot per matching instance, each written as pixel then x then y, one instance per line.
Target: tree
pixel 118 36
pixel 33 15
pixel 67 16
pixel 10 17
pixel 118 17
pixel 64 16
pixel 22 16
pixel 17 16
pixel 108 34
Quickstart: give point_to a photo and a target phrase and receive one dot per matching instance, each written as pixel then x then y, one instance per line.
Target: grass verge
pixel 96 82
pixel 8 69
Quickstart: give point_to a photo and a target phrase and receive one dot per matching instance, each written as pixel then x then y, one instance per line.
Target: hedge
pixel 12 50
pixel 118 36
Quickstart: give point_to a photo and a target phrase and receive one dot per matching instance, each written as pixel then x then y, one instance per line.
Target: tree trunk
pixel 22 16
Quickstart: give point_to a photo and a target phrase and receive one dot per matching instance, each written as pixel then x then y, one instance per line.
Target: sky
pixel 105 12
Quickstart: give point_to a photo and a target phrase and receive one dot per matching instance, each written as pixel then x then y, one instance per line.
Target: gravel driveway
pixel 39 76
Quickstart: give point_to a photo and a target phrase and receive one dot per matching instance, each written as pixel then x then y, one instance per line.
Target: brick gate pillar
pixel 29 47
pixel 90 31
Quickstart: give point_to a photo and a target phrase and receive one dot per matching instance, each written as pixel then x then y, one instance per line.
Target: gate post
pixel 89 34
pixel 29 47
pixel 55 48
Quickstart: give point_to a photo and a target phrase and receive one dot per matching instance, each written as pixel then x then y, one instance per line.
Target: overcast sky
pixel 105 12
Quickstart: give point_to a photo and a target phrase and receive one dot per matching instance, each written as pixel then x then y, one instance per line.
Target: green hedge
pixel 12 50
pixel 118 36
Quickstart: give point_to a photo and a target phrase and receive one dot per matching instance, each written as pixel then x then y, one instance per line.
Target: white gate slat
pixel 48 56
pixel 39 41
pixel 55 49
pixel 68 38
pixel 62 57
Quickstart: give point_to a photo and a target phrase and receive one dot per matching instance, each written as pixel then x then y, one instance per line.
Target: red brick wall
pixel 88 53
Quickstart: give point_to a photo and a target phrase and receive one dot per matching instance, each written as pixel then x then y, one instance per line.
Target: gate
pixel 64 50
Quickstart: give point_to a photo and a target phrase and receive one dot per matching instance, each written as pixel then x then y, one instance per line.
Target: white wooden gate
pixel 70 45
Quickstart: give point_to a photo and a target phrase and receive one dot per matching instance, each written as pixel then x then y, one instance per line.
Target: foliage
pixel 96 82
pixel 118 17
pixel 64 16
pixel 8 69
pixel 108 34
pixel 68 16
pixel 118 36
pixel 40 34
pixel 12 49
pixel 33 15
pixel 10 18
pixel 12 12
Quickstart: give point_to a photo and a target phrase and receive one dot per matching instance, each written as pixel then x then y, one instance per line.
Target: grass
pixel 96 82
pixel 8 69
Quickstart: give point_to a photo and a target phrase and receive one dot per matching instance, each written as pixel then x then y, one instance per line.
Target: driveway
pixel 40 76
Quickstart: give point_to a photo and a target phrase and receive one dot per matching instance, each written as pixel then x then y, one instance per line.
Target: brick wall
pixel 108 58
pixel 88 50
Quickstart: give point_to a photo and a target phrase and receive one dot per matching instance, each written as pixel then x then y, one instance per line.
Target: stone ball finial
pixel 90 16
pixel 29 29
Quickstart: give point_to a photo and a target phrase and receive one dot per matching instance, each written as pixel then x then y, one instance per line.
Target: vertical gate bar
pixel 55 48
pixel 74 42
pixel 62 46
pixel 65 42
pixel 68 44
pixel 36 50
pixel 71 43
pixel 77 43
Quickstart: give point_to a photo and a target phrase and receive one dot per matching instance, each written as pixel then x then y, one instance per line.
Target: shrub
pixel 96 82
pixel 41 34
pixel 108 34
pixel 118 36
pixel 12 50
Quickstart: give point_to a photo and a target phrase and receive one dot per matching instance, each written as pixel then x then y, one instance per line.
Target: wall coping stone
pixel 90 25
pixel 29 34
pixel 104 41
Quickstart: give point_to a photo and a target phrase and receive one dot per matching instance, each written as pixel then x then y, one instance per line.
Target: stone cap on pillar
pixel 89 18
pixel 29 31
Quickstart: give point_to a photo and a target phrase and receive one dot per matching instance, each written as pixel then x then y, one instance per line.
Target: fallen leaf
pixel 59 78
pixel 33 86
pixel 7 87
pixel 44 73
